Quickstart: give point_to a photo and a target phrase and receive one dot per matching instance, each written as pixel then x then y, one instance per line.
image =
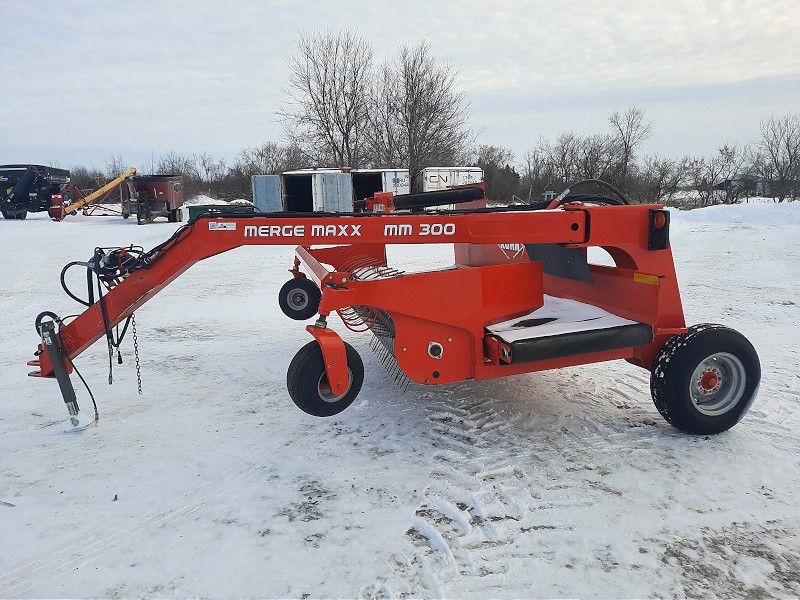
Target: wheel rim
pixel 297 299
pixel 717 384
pixel 324 387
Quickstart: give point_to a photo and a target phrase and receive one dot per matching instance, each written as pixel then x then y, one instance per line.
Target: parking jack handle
pixel 56 355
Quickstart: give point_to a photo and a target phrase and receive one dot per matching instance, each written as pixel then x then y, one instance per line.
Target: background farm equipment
pixel 155 196
pixel 61 208
pixel 29 188
pixel 36 188
pixel 521 297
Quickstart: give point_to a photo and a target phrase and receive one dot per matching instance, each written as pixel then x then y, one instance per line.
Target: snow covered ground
pixel 564 483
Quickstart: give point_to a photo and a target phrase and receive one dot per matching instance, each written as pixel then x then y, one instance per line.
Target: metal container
pixel 317 190
pixel 368 181
pixel 432 179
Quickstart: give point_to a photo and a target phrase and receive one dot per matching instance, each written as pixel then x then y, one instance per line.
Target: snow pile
pixel 202 199
pixel 783 213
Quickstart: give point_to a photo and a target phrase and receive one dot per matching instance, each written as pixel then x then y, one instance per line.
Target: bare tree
pixel 174 163
pixel 708 176
pixel 533 174
pixel 595 156
pixel 630 130
pixel 85 179
pixel 115 166
pixel 502 180
pixel 778 155
pixel 329 83
pixel 266 159
pixel 562 158
pixel 150 164
pixel 423 118
pixel 209 171
pixel 385 134
pixel 658 179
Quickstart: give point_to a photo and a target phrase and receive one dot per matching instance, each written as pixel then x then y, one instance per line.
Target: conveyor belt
pixel 567 328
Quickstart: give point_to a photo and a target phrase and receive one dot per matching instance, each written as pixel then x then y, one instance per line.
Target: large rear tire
pixel 704 381
pixel 308 383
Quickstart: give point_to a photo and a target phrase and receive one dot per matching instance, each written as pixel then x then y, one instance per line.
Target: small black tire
pixel 299 299
pixel 704 381
pixel 306 381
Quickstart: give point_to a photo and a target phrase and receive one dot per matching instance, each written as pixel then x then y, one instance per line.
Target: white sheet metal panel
pixel 267 193
pixel 568 316
pixel 333 192
pixel 397 181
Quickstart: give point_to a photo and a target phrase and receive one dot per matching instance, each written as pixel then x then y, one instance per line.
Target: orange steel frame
pixel 451 307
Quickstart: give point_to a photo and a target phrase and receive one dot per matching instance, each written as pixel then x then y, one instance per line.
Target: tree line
pixel 768 167
pixel 341 109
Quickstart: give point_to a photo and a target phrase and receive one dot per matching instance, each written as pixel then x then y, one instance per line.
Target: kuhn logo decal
pixel 512 251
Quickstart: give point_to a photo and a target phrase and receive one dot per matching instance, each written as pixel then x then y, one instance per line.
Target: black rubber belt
pixel 582 342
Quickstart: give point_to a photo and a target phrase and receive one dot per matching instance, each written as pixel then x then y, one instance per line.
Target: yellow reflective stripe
pixel 645 278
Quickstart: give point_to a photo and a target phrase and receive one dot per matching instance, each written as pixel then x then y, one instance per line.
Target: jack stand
pixel 76 421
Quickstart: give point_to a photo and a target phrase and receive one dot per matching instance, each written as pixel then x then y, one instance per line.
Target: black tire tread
pixel 303 374
pixel 670 359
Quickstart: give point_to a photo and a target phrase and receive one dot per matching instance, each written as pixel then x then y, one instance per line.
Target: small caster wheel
pixel 299 299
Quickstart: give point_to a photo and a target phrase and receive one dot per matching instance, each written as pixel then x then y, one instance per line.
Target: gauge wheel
pixel 308 383
pixel 299 299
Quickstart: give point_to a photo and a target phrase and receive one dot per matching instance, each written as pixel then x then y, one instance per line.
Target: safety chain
pixel 110 363
pixel 136 354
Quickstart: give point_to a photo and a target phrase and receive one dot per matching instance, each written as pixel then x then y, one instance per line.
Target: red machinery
pixel 521 298
pixel 154 196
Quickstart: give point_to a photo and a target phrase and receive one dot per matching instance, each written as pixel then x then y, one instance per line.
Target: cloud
pixel 209 75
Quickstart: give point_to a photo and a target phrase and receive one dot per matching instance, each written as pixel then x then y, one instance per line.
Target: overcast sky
pixel 82 80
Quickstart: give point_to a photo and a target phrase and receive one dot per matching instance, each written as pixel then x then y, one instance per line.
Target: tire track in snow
pixel 70 557
pixel 473 511
pixel 504 486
